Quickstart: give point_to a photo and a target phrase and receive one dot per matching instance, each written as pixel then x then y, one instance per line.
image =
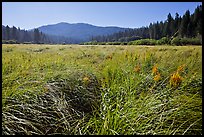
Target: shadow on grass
pixel 65 106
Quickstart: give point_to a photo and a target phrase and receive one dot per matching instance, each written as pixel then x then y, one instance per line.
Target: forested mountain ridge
pixel 17 35
pixel 57 33
pixel 80 31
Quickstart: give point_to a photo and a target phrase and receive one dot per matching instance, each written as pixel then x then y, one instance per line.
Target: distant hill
pixel 80 31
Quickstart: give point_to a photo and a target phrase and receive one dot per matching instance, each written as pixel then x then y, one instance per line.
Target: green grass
pixel 72 89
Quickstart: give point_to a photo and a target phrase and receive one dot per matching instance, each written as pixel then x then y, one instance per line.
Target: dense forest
pixel 171 31
pixel 14 35
pixel 189 25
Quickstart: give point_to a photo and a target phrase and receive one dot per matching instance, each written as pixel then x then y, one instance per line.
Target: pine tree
pixel 184 24
pixel 197 20
pixel 14 33
pixel 7 33
pixel 176 22
pixel 151 31
pixel 3 33
pixel 166 31
pixel 170 25
pixel 36 36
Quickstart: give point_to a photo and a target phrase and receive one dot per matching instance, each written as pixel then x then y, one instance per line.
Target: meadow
pixel 101 90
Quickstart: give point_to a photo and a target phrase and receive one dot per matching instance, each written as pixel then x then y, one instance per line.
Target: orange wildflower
pixel 175 79
pixel 180 68
pixel 155 69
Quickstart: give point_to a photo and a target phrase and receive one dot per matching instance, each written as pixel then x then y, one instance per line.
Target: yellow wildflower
pixel 175 79
pixel 157 77
pixel 155 69
pixel 180 68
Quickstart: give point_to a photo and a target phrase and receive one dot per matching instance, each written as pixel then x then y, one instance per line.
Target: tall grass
pixel 100 90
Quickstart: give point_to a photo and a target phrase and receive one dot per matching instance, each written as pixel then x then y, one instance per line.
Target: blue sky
pixel 28 15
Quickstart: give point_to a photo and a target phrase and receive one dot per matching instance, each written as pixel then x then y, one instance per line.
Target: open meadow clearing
pixel 101 90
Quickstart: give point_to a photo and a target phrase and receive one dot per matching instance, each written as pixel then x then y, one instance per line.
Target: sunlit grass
pixel 101 89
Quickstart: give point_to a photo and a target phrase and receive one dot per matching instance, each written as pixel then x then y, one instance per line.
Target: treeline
pixel 14 36
pixel 163 41
pixel 187 26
